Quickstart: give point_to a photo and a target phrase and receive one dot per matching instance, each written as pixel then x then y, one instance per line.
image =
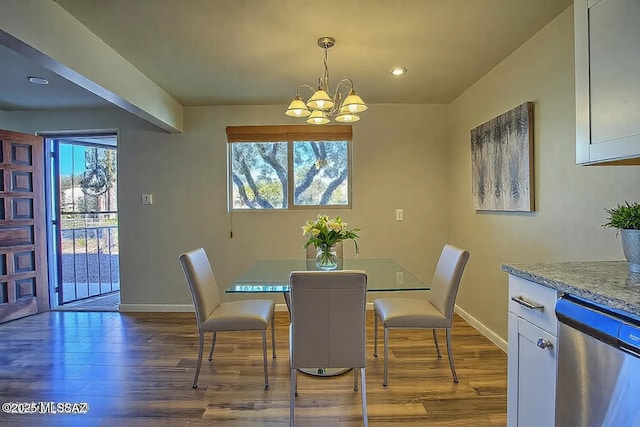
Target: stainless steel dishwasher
pixel 598 381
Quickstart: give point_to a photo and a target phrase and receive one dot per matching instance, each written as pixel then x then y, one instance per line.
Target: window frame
pixel 289 134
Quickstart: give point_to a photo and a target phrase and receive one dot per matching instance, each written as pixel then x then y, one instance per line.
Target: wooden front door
pixel 23 257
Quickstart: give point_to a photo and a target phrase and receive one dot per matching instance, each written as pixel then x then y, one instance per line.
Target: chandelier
pixel 343 106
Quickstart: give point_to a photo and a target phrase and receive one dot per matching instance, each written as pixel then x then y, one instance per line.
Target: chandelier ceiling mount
pixel 326 42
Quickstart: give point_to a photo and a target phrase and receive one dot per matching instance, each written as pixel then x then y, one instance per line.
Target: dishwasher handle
pixel 629 339
pixel 588 319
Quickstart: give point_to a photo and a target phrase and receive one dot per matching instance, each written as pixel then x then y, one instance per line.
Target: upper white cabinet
pixel 607 54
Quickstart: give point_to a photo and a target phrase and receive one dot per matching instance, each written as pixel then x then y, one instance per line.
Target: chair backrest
pixel 312 251
pixel 328 319
pixel 446 279
pixel 202 283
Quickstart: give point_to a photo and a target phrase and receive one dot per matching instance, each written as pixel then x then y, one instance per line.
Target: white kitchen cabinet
pixel 532 357
pixel 607 58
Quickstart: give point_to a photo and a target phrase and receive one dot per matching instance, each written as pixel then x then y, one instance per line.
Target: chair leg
pixel 375 334
pixel 213 344
pixel 386 355
pixel 363 387
pixel 292 395
pixel 273 337
pixel 287 300
pixel 355 379
pixel 435 340
pixel 200 349
pixel 264 359
pixel 450 352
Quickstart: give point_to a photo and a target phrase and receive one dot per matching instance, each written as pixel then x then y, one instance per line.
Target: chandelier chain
pixel 326 70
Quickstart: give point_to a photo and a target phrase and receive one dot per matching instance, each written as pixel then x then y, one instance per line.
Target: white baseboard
pixel 132 308
pixel 492 336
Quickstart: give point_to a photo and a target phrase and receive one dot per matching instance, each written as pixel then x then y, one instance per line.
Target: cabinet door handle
pixel 542 343
pixel 529 304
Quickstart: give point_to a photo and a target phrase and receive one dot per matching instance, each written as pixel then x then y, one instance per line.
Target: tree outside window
pixel 289 172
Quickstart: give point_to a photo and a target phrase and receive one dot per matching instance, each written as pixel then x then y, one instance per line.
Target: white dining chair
pixel 328 325
pixel 215 316
pixel 433 313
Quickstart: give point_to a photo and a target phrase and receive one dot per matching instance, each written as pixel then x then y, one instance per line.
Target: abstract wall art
pixel 502 162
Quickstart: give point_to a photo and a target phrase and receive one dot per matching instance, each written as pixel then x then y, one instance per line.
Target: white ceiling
pixel 255 52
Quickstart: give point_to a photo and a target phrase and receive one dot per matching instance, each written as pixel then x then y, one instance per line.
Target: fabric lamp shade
pixel 298 108
pixel 318 118
pixel 354 103
pixel 320 101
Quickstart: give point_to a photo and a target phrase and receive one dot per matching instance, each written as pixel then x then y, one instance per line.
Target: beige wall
pixel 398 162
pixel 391 153
pixel 570 199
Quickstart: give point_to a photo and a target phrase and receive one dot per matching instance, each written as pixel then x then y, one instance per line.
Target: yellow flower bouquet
pixel 324 233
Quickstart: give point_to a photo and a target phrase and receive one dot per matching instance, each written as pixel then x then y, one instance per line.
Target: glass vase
pixel 326 258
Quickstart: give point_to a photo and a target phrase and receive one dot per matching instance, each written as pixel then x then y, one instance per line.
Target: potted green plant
pixel 626 219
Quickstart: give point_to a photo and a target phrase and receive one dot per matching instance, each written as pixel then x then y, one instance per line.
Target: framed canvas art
pixel 502 162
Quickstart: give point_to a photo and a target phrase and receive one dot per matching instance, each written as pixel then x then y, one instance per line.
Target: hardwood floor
pixel 137 370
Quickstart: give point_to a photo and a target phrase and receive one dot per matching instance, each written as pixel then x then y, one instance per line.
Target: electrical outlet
pixel 399 214
pixel 146 199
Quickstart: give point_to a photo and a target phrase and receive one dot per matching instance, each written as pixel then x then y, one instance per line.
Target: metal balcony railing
pixel 89 261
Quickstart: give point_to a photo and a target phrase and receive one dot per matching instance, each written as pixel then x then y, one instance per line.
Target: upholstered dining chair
pixel 328 325
pixel 215 316
pixel 433 313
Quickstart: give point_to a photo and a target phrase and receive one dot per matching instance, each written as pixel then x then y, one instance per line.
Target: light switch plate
pixel 399 214
pixel 147 199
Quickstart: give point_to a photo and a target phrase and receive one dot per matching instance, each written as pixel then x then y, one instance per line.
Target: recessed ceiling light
pixel 398 71
pixel 38 80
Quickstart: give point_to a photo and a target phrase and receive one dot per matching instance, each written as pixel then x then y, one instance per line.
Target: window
pixel 289 167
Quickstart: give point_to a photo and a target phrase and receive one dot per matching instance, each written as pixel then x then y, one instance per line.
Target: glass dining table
pixel 272 276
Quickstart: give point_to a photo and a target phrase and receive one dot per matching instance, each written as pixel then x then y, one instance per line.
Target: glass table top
pixel 272 275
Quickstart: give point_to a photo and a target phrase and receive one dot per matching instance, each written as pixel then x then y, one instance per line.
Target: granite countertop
pixel 605 282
